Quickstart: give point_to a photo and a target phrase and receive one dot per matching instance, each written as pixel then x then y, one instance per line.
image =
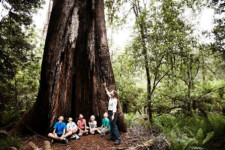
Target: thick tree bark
pixel 76 63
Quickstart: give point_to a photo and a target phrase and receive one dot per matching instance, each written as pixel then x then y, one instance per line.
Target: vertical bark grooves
pixel 76 62
pixel 82 71
pixel 106 71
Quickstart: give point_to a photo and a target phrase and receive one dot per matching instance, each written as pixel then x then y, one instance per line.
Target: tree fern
pixel 199 136
pixel 217 123
pixel 209 136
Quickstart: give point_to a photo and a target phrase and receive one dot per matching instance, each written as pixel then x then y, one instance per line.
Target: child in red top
pixel 82 125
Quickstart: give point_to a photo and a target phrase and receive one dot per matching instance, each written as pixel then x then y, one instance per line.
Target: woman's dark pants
pixel 114 132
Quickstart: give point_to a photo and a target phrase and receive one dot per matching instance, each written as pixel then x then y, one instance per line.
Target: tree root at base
pixel 47 146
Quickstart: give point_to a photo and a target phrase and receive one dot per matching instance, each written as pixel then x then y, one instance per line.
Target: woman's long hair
pixel 115 94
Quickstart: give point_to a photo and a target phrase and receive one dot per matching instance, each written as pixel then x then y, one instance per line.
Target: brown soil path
pixel 91 142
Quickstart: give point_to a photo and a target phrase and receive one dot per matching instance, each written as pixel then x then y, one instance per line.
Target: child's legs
pixel 104 130
pixel 54 136
pixel 92 130
pixel 81 131
pixel 97 129
pixel 74 131
pixel 68 134
pixel 100 128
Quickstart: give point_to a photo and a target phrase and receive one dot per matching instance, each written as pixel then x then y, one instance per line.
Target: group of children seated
pixel 62 130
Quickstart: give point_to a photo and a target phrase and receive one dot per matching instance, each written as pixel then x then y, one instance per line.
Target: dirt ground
pixel 91 142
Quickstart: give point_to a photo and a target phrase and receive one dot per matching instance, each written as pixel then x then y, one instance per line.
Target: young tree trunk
pixel 16 94
pixel 76 63
pixel 141 26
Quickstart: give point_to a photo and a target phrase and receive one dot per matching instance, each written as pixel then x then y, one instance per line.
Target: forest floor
pixel 92 142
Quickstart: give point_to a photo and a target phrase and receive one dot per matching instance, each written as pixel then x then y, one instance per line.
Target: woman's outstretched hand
pixel 104 84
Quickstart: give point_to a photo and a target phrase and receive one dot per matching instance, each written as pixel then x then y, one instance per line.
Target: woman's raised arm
pixel 106 89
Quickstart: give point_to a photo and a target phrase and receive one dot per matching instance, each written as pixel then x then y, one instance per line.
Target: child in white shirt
pixel 71 127
pixel 93 125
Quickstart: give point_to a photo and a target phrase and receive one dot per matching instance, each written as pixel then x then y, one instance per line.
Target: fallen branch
pixel 145 145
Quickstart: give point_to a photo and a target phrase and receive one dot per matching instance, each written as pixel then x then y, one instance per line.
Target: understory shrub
pixel 129 117
pixel 12 141
pixel 9 117
pixel 192 132
pixel 138 123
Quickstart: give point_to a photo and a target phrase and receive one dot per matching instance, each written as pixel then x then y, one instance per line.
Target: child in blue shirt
pixel 59 132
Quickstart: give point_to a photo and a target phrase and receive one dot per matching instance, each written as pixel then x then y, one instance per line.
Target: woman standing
pixel 112 109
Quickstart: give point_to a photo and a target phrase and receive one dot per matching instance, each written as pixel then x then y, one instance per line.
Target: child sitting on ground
pixel 82 126
pixel 59 132
pixel 105 125
pixel 72 128
pixel 93 125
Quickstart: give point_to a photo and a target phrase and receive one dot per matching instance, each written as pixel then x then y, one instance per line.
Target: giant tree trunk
pixel 76 63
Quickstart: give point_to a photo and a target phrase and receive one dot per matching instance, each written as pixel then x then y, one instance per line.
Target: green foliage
pixel 165 122
pixel 194 132
pixel 129 118
pixel 208 137
pixel 137 122
pixel 16 45
pixel 186 76
pixel 20 92
pixel 113 11
pixel 164 49
pixel 20 56
pixel 182 142
pixel 217 124
pixel 180 67
pixel 12 141
pixel 8 117
pixel 18 53
pixel 143 121
pixel 130 94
